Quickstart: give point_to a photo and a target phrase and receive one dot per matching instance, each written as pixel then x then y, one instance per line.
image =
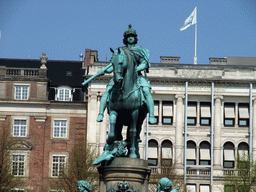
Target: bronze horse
pixel 125 104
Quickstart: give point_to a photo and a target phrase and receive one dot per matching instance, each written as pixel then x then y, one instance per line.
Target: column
pixel 254 128
pixel 197 155
pixel 160 110
pixel 198 114
pixel 179 131
pixel 217 133
pixel 174 112
pixel 91 119
pixel 236 114
pixel 101 127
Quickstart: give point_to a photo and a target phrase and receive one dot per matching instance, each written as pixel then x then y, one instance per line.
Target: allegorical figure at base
pixel 165 185
pixel 83 186
pixel 127 97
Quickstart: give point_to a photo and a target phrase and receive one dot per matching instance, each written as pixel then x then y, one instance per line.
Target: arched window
pixel 243 151
pixel 228 155
pixel 205 154
pixel 152 152
pixel 191 153
pixel 64 94
pixel 166 153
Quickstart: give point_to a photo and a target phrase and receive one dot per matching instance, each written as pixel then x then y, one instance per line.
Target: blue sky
pixel 65 28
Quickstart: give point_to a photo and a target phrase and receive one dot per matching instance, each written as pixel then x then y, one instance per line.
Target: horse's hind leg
pixel 112 120
pixel 133 133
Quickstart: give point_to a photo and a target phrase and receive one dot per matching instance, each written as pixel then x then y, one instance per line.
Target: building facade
pixel 204 117
pixel 43 109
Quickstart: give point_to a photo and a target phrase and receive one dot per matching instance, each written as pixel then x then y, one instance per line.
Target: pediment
pixel 20 145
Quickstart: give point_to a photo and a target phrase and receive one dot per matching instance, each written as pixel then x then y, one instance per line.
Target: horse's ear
pixel 119 50
pixel 111 50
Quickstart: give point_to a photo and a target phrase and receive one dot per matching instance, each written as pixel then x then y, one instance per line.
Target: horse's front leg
pixel 133 133
pixel 112 120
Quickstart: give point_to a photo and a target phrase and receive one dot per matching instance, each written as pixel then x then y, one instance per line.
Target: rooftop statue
pixel 165 185
pixel 127 95
pixel 83 186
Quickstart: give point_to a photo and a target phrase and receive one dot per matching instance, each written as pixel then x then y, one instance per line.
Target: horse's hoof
pixel 152 120
pixel 100 118
pixel 133 156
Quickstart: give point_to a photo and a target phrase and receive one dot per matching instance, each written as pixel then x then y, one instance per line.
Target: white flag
pixel 191 20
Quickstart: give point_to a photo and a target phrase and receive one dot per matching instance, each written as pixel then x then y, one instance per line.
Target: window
pixel 166 153
pixel 205 154
pixel 21 92
pixel 64 94
pixel 167 118
pixel 191 113
pixel 156 110
pixel 19 128
pixel 229 118
pixel 191 153
pixel 69 73
pixel 58 165
pixel 191 188
pixel 152 153
pixel 205 116
pixel 229 155
pixel 243 115
pixel 204 188
pixel 18 165
pixel 243 151
pixel 60 129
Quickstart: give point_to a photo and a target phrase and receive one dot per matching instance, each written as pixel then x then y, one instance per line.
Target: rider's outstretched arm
pixel 143 65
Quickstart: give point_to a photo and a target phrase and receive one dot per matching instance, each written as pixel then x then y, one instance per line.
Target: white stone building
pixel 220 107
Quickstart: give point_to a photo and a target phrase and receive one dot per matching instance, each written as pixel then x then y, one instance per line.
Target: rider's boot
pixel 112 121
pixel 103 105
pixel 150 105
pixel 100 117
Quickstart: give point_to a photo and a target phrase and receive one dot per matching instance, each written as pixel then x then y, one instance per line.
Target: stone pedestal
pixel 124 169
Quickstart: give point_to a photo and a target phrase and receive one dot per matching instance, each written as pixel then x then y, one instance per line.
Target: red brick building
pixel 43 106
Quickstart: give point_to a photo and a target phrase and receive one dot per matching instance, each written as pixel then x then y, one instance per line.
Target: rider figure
pixel 141 58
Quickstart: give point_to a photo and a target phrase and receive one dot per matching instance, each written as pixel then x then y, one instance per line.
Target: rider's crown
pixel 130 31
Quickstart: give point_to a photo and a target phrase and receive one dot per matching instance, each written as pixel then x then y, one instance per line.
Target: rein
pixel 132 61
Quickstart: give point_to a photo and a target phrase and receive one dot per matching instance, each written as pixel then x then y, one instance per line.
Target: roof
pixel 59 72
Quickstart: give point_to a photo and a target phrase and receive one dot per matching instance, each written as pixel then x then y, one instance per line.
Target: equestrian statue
pixel 127 97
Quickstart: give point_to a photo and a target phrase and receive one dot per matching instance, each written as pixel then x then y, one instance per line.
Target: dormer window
pixel 64 94
pixel 21 92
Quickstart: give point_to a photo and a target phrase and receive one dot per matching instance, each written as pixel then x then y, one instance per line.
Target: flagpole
pixel 195 58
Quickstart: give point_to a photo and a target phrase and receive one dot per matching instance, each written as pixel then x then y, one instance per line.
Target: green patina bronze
pixel 165 185
pixel 83 186
pixel 127 96
pixel 123 187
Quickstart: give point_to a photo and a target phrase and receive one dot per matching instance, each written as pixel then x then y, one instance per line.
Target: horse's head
pixel 119 61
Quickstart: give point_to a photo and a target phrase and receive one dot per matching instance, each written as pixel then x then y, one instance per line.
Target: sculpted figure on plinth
pixel 127 97
pixel 83 186
pixel 165 185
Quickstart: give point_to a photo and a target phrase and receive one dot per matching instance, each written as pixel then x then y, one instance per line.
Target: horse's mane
pixel 130 60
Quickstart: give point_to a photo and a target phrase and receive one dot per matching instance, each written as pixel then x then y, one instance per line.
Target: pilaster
pixel 179 130
pixel 254 128
pixel 92 116
pixel 217 133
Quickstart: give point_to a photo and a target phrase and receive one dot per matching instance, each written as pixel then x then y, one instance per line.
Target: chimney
pixel 90 57
pixel 169 60
pixel 218 61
